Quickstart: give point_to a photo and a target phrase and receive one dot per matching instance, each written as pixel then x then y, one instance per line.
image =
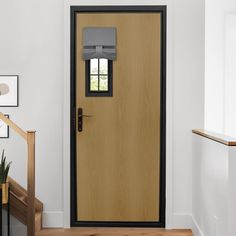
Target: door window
pixel 98 77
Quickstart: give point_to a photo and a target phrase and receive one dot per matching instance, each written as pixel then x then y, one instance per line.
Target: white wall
pixel 31 45
pixel 214 190
pixel 216 67
pixel 230 74
pixel 188 96
pixel 232 191
pixel 210 180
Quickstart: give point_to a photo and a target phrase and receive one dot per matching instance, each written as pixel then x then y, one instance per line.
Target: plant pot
pixel 5 188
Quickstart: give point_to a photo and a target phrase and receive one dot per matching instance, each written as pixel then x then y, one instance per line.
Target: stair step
pixel 21 194
pixel 18 205
pixel 38 221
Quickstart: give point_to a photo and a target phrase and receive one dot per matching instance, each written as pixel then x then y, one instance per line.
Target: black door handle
pixel 80 119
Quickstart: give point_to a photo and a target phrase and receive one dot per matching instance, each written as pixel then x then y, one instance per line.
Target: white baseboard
pixel 186 221
pixel 182 221
pixel 196 229
pixel 53 219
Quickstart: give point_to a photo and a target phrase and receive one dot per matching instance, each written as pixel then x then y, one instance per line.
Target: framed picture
pixel 8 90
pixel 4 129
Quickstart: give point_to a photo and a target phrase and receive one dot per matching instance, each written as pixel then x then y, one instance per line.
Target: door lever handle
pixel 80 115
pixel 80 119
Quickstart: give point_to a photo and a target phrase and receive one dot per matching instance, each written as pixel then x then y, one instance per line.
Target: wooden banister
pixel 29 136
pixel 220 138
pixel 14 126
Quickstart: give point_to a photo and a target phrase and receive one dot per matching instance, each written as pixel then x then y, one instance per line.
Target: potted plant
pixel 4 169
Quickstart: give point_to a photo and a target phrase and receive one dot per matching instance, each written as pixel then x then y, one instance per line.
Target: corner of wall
pixel 186 221
pixel 53 219
pixel 195 228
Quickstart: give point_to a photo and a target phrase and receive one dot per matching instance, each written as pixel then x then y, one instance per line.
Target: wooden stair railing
pixel 29 137
pixel 19 205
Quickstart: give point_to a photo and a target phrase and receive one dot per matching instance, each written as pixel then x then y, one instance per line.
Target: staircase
pixel 18 205
pixel 24 204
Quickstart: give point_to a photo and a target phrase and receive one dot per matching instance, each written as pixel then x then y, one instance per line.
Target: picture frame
pixel 4 129
pixel 9 90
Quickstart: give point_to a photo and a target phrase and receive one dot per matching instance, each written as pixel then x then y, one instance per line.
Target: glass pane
pixel 103 66
pixel 103 83
pixel 94 66
pixel 93 83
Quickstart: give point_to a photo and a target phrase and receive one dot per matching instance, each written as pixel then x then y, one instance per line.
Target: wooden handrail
pixel 29 136
pixel 14 126
pixel 220 138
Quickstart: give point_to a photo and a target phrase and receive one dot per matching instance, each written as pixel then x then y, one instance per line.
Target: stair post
pixel 31 184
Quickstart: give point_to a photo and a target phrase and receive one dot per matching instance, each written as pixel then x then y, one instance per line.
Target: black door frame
pixel 73 191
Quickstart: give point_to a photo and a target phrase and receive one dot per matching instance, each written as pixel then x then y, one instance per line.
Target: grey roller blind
pixel 99 42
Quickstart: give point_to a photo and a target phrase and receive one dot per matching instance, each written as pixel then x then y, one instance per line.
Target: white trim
pixel 196 229
pixel 169 115
pixel 53 219
pixel 186 221
pixel 169 105
pixel 66 117
pixel 182 221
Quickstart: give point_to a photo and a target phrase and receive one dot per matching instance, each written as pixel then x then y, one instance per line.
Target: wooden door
pixel 118 151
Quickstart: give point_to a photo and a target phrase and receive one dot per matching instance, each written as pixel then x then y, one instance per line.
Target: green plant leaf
pixel 4 168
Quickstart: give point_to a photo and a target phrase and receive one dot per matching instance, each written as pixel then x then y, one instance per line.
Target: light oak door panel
pixel 118 152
